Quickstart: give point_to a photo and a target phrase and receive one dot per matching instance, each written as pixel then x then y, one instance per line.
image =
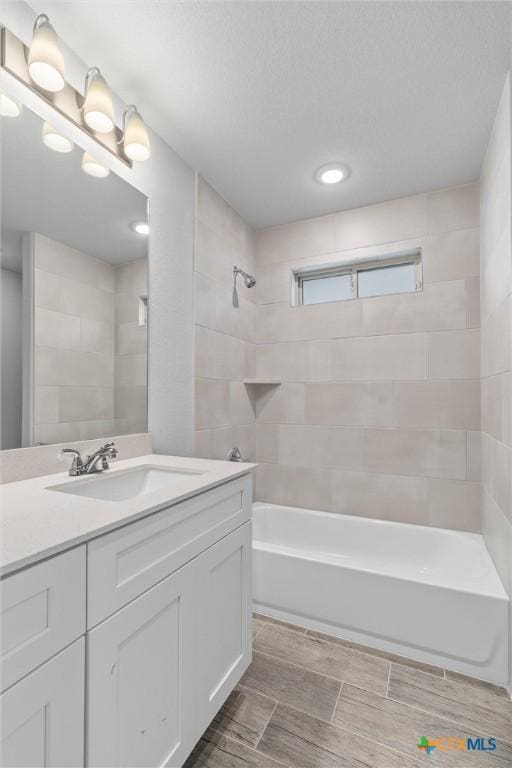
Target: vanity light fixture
pixel 140 227
pixel 93 167
pixel 332 173
pixel 136 140
pixel 98 107
pixel 45 60
pixel 9 107
pixel 55 140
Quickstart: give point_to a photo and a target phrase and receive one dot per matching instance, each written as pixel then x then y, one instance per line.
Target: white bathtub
pixel 426 593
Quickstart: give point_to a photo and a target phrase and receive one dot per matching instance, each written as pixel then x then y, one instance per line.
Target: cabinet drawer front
pixel 43 714
pixel 43 610
pixel 125 563
pixel 141 679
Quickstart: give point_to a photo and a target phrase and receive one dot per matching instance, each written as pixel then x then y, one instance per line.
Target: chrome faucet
pixel 89 465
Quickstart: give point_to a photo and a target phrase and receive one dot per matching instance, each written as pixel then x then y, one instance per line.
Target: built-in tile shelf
pixel 264 382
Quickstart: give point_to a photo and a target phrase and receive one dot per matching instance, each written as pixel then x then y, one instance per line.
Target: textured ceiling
pixel 256 95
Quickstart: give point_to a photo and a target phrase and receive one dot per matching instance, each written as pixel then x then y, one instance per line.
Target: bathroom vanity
pixel 126 605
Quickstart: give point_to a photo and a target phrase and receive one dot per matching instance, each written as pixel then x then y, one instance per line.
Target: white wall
pixel 11 335
pixel 169 184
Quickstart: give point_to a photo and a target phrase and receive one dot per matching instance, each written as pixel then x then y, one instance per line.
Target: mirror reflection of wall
pixel 73 280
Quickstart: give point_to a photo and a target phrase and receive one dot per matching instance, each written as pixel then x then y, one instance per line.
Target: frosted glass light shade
pixel 98 108
pixel 9 107
pixel 93 167
pixel 136 139
pixel 55 140
pixel 45 60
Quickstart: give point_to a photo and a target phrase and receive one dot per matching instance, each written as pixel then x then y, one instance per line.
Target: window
pixel 393 274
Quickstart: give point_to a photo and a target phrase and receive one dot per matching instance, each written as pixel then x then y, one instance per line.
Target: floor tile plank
pixel 215 750
pixel 327 658
pixel 432 670
pixel 244 716
pixel 292 685
pixel 301 741
pixel 400 727
pixel 476 708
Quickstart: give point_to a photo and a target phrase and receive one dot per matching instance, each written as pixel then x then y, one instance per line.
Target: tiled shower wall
pixel 496 265
pixel 90 354
pixel 224 336
pixel 378 412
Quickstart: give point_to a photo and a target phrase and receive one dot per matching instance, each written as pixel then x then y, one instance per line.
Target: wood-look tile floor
pixel 313 701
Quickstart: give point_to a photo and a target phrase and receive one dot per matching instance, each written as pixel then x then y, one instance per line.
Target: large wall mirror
pixel 74 294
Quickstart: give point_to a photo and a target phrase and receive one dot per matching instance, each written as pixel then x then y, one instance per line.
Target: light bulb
pixel 9 107
pixel 332 173
pixel 98 107
pixel 55 140
pixel 136 139
pixel 93 167
pixel 45 60
pixel 140 227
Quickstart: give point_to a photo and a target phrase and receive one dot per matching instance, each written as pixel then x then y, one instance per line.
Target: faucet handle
pixel 76 464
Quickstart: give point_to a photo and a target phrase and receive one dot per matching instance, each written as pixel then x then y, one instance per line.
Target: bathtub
pixel 426 593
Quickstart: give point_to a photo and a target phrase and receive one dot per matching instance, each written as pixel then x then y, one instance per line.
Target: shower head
pixel 249 280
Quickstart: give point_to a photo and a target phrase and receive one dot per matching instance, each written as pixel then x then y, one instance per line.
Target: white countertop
pixel 36 522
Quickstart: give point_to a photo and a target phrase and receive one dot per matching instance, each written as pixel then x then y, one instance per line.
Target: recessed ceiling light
pixel 332 173
pixel 140 227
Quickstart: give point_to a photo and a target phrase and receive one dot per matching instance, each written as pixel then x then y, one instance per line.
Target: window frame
pixel 353 268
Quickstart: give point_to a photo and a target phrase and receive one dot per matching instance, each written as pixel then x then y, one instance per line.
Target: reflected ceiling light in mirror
pixel 93 167
pixel 140 227
pixel 136 140
pixel 332 173
pixel 55 140
pixel 98 107
pixel 9 107
pixel 45 60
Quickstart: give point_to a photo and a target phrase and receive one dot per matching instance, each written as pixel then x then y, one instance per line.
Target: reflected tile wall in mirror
pixel 74 296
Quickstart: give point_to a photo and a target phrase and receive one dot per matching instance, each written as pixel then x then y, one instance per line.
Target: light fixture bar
pixel 13 59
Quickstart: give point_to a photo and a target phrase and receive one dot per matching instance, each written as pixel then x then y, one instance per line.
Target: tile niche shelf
pixel 262 382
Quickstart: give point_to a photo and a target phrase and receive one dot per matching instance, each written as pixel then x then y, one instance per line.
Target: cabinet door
pixel 141 679
pixel 43 714
pixel 224 637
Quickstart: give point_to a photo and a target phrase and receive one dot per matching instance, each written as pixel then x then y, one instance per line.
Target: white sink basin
pixel 125 484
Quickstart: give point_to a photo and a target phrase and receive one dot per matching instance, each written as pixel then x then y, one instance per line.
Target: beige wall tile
pixel 334 320
pixel 496 274
pixel 497 407
pixel 306 487
pixel 58 367
pixel 496 531
pixel 267 442
pixel 473 302
pixel 454 354
pixel 126 307
pixel 474 449
pixel 374 358
pixel 131 339
pixel 496 464
pixel 47 290
pixel 131 403
pixel 312 446
pixel 54 329
pixel 455 208
pixel 454 504
pixel 211 403
pixel 46 405
pixel 497 340
pixel 241 405
pixel 211 209
pixel 400 219
pixel 60 259
pixel 424 452
pixel 351 404
pixel 439 306
pixel 445 404
pixel 386 497
pixel 86 301
pixel 86 403
pixel 283 404
pixel 132 277
pixel 131 370
pixel 451 255
pixel 48 434
pixel 218 355
pixel 295 361
pixel 96 336
pixel 312 237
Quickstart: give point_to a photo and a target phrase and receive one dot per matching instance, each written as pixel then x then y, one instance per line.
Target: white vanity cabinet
pixel 119 652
